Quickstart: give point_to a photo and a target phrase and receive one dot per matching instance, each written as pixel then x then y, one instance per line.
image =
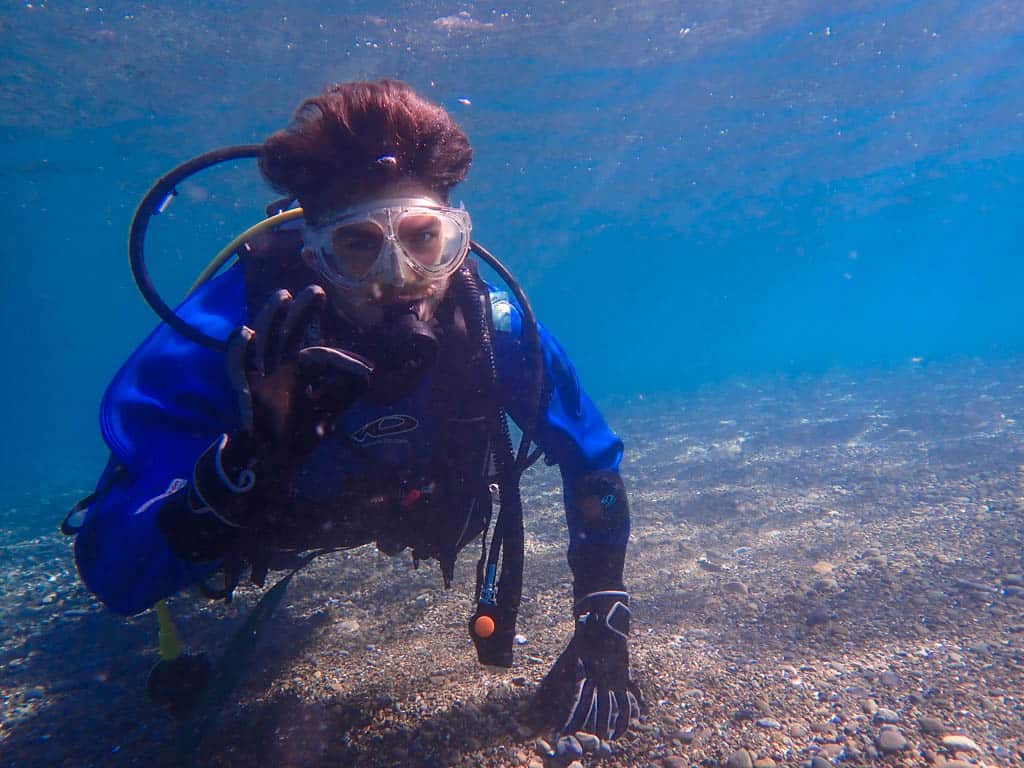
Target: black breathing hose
pixel 156 201
pixel 508 532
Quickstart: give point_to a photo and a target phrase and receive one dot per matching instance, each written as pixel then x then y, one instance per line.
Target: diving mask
pixel 376 242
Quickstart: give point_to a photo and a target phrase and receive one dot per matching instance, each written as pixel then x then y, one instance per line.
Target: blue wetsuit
pixel 172 399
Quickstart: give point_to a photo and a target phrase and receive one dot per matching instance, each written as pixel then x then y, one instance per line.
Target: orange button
pixel 483 626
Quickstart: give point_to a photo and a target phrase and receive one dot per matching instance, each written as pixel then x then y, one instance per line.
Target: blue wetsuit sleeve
pixel 168 402
pixel 574 435
pixel 570 429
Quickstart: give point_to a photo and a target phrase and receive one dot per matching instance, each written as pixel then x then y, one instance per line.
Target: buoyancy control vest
pixel 438 505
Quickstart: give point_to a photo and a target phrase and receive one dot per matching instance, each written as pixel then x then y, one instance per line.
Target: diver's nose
pixel 394 266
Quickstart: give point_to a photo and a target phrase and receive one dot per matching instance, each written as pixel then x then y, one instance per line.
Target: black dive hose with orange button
pixel 493 624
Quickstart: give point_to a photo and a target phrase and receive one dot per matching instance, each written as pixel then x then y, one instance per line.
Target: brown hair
pixel 353 138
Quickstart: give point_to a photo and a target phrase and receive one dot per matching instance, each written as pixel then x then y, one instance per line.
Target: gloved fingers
pixel 626 710
pixel 634 711
pixel 336 377
pixel 608 714
pixel 583 715
pixel 237 354
pixel 263 350
pixel 636 695
pixel 304 310
pixel 333 362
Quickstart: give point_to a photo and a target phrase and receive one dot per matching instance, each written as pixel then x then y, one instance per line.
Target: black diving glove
pixel 590 685
pixel 290 387
pixel 291 390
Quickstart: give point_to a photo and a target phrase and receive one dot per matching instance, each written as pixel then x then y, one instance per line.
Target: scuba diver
pixel 348 381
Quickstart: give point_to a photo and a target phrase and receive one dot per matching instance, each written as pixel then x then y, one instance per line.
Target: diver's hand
pixel 290 388
pixel 291 391
pixel 590 683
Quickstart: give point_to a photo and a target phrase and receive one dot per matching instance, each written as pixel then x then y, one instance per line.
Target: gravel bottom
pixel 824 572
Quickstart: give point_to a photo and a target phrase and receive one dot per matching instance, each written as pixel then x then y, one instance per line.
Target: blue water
pixel 690 192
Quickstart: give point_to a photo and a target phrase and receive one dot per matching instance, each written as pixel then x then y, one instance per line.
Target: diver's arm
pixel 165 417
pixel 574 435
pixel 120 554
pixel 589 688
pixel 161 409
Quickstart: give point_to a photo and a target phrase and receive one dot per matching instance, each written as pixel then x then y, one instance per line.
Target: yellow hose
pixel 167 634
pixel 228 250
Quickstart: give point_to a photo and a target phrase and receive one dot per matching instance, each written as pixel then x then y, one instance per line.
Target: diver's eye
pixel 424 237
pixel 421 236
pixel 355 244
pixel 355 247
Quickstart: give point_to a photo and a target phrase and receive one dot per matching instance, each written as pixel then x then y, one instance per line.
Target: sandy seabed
pixel 824 571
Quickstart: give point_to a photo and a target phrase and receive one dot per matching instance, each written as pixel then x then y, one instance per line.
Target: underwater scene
pixel 563 384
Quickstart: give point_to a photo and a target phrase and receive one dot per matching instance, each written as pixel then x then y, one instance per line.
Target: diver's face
pixel 395 247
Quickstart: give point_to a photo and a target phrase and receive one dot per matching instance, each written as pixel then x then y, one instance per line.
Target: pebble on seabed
pixel 569 747
pixel 891 740
pixel 883 715
pixel 957 743
pixel 931 725
pixel 739 759
pixel 588 741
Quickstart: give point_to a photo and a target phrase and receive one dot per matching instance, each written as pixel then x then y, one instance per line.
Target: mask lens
pixel 422 237
pixel 431 239
pixel 355 247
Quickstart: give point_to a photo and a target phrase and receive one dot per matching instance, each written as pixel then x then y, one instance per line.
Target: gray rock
pixel 735 588
pixel 818 615
pixel 674 761
pixel 588 741
pixel 931 725
pixel 975 586
pixel 820 762
pixel 957 743
pixel 739 759
pixel 767 722
pixel 832 751
pixel 604 749
pixel 543 749
pixel 347 626
pixel 890 740
pixel 883 715
pixel 889 678
pixel 1013 580
pixel 827 584
pixel 568 748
